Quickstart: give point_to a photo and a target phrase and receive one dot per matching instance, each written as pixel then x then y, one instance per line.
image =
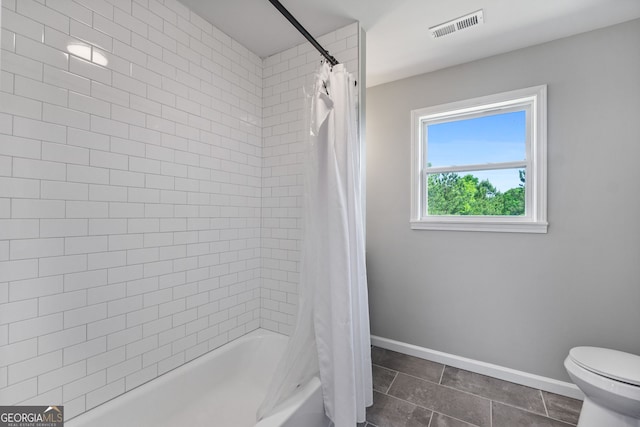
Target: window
pixel 480 164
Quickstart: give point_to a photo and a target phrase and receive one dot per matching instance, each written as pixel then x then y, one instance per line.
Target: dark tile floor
pixel 412 392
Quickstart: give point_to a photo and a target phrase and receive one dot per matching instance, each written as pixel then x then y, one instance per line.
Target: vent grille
pixel 458 24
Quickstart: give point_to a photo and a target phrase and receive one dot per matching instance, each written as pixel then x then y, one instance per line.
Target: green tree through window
pixel 453 194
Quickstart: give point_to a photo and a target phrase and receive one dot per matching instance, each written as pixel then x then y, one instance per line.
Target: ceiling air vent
pixel 458 24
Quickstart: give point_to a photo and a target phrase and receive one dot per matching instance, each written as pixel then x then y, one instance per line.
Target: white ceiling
pixel 398 42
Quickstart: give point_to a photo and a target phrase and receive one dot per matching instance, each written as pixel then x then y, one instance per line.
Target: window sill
pixel 500 226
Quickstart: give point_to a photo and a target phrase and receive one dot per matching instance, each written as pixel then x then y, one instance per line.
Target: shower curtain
pixel 332 331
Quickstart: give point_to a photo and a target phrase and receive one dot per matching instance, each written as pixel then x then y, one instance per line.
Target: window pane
pixel 493 192
pixel 488 139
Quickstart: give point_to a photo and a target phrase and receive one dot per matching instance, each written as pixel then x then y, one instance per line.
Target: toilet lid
pixel 617 365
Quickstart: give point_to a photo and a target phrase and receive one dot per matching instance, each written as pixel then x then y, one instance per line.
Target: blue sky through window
pixel 488 139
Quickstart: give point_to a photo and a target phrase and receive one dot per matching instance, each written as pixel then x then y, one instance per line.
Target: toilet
pixel 610 381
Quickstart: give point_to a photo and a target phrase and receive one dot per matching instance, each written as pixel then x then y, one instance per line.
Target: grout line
pixel 491 413
pixel 442 374
pixel 391 383
pixel 430 419
pixel 450 388
pixel 432 409
pixel 546 411
pixel 563 422
pixel 481 397
pixel 524 410
pixel 411 403
pixel 410 375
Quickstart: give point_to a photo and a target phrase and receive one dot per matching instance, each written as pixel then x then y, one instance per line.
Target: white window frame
pixel 534 101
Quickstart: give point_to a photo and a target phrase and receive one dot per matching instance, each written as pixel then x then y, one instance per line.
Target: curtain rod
pixel 333 61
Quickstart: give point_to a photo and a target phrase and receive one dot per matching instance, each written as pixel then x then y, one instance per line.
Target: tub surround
pixel 284 76
pixel 135 194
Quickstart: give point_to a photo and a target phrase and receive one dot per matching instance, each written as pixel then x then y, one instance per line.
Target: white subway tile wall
pixel 150 193
pixel 284 76
pixel 130 196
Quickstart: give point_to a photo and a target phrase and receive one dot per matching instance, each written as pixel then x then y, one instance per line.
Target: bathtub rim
pixel 104 408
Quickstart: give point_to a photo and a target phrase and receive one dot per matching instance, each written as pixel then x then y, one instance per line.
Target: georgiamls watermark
pixel 31 416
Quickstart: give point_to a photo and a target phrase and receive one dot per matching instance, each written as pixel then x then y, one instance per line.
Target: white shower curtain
pixel 332 331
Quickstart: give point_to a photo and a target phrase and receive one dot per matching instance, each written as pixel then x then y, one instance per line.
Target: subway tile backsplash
pixel 150 193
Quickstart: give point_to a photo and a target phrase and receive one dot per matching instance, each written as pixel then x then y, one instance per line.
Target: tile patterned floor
pixel 412 392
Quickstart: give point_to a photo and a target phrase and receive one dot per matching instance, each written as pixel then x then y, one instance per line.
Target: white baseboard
pixel 500 372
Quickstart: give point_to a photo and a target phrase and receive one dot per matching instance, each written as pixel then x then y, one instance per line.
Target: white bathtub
pixel 222 388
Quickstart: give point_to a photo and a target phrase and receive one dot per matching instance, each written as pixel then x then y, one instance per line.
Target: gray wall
pixel 518 300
